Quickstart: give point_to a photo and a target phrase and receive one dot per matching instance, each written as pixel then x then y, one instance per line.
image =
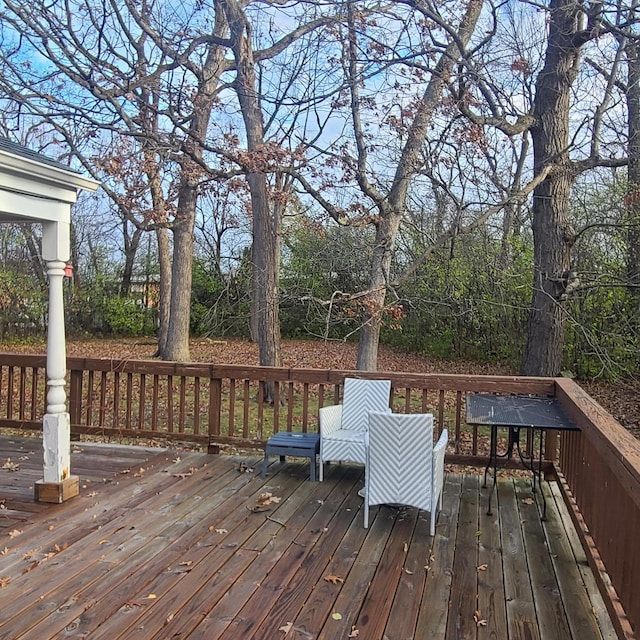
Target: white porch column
pixel 58 484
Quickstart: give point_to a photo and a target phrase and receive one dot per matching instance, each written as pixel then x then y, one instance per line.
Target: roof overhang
pixel 34 191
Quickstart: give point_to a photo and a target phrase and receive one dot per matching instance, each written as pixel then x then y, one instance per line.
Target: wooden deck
pixel 170 545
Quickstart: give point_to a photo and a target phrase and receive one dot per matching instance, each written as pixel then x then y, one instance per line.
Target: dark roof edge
pixel 24 152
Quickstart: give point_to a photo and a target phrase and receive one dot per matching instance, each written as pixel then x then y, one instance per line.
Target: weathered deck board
pixel 165 545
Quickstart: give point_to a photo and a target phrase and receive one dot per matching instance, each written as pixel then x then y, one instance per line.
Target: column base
pixel 57 492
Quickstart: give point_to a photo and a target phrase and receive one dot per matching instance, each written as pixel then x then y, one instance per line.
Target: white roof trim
pixel 39 171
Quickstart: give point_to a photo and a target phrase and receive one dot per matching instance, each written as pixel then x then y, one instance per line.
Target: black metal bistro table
pixel 516 413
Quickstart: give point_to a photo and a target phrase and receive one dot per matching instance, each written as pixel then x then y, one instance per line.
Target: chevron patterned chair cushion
pixel 343 427
pixel 402 464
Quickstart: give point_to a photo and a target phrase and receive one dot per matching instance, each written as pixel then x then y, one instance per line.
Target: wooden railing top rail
pixel 449 382
pixel 619 448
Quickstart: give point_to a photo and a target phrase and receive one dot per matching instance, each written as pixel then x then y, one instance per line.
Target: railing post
pixel 75 400
pixel 215 408
pixel 551 446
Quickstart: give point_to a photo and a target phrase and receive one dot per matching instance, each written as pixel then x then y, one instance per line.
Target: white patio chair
pixel 343 426
pixel 403 466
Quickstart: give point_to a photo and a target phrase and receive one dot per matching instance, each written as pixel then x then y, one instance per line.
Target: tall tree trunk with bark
pixel 392 207
pixel 164 291
pixel 177 341
pixel 552 232
pixel 131 244
pixel 633 176
pixel 267 222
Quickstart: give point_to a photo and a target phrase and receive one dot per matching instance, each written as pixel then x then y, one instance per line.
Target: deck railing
pixel 218 405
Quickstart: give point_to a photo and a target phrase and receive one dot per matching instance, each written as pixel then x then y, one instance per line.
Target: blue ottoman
pixel 301 445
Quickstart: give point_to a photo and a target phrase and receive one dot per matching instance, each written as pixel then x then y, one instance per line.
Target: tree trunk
pixel 164 289
pixel 267 223
pixel 633 193
pixel 177 344
pixel 391 208
pixel 131 244
pixel 553 236
pixel 379 271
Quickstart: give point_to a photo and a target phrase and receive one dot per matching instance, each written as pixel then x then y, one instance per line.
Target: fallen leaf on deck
pixel 354 632
pixel 336 616
pixel 151 596
pixel 478 534
pixel 479 620
pixel 169 618
pixel 33 565
pixel 482 567
pixel 182 475
pixel 528 500
pixel 10 466
pixel 264 502
pixel 286 627
pixel 133 603
pixel 4 582
pixel 4 551
pixel 14 533
pixel 334 579
pixel 125 471
pixel 59 548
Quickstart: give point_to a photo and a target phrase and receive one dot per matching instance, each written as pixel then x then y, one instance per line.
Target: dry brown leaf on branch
pixel 334 579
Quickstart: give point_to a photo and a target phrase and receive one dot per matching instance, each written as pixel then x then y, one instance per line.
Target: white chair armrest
pixel 438 460
pixel 330 419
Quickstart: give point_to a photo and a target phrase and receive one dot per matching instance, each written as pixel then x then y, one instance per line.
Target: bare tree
pixel 570 26
pixel 151 76
pixel 389 199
